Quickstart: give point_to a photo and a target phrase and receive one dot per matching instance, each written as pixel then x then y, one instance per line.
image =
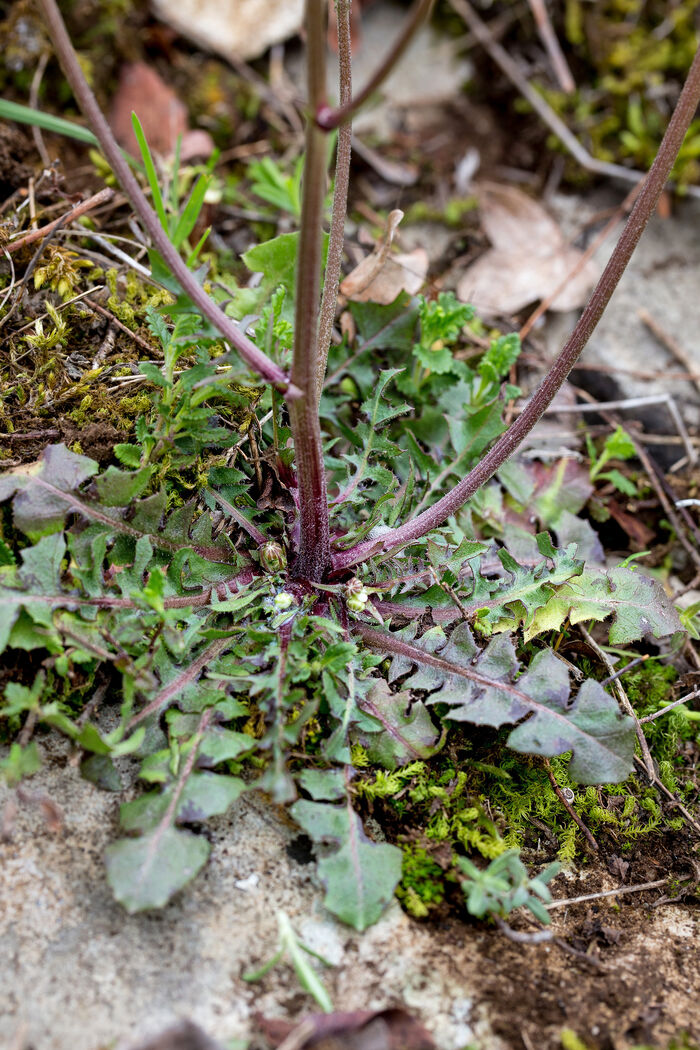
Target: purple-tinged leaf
pixel 361 876
pixel 204 795
pixel 404 731
pixel 482 691
pixel 602 740
pixel 640 606
pixel 42 490
pixel 146 872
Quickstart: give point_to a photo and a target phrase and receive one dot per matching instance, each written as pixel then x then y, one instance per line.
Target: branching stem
pixel 328 118
pixel 253 357
pixel 509 442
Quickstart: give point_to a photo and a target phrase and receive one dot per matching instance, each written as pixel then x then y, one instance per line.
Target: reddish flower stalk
pixel 252 356
pixel 509 442
pixel 314 554
pixel 328 118
pixel 331 279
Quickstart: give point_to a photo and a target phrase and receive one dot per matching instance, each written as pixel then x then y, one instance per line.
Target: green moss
pixel 451 215
pixel 422 882
pixel 628 59
pixel 483 799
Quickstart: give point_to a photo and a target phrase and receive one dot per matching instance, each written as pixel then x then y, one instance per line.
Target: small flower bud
pixel 356 595
pixel 283 601
pixel 272 557
pixel 356 604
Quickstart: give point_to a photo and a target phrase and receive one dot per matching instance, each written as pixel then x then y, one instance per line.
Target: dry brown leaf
pixel 529 259
pixel 391 1029
pixel 161 113
pixel 380 277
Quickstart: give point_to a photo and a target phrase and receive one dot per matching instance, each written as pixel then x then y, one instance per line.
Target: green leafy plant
pixel 270 184
pixel 251 612
pixel 617 446
pixel 505 885
pixel 297 951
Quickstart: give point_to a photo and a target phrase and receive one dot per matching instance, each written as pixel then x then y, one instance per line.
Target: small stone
pixel 233 28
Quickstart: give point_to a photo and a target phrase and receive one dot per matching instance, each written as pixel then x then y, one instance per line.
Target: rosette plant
pixel 344 613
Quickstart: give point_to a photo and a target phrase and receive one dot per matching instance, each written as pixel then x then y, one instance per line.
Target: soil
pixel 16 159
pixel 97 440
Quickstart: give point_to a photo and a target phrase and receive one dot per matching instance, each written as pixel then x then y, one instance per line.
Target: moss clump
pixel 422 882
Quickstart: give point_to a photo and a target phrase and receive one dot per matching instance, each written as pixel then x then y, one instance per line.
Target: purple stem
pixel 313 558
pixel 340 195
pixel 329 118
pixel 543 397
pixel 253 357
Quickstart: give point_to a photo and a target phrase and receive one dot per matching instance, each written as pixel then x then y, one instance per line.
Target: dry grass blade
pixel 639 888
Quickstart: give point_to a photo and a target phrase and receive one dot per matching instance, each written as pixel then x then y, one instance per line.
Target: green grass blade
pixel 174 189
pixel 194 255
pixel 46 121
pixel 151 174
pixel 57 125
pixel 188 219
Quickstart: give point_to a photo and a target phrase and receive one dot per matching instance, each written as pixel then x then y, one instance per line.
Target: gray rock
pixel 238 28
pixel 78 973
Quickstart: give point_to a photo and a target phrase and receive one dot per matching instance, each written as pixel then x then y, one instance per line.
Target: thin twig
pixel 123 257
pixel 624 702
pixel 674 348
pixel 553 48
pixel 628 667
pixel 568 807
pixel 639 888
pixel 670 707
pixel 34 103
pixel 673 799
pixel 61 306
pixel 143 343
pixel 519 937
pixel 329 118
pixel 80 209
pixel 615 370
pixel 628 403
pixel 584 257
pixel 669 510
pixel 29 270
pixel 13 279
pixel 583 957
